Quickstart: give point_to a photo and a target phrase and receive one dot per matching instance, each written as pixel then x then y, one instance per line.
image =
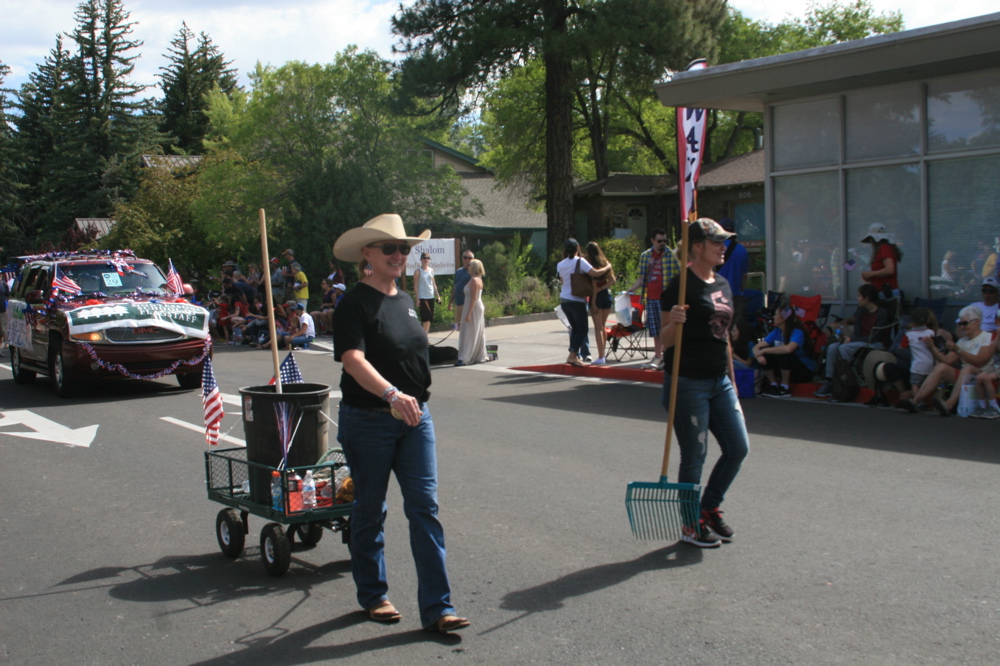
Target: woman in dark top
pixel 706 398
pixel 385 426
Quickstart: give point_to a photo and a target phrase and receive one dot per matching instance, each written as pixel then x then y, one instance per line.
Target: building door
pixel 636 220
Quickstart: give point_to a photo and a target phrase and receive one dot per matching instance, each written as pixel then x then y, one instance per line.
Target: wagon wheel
pixel 230 532
pixel 309 533
pixel 275 549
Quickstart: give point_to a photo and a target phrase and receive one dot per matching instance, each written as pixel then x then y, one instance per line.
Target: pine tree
pixel 186 82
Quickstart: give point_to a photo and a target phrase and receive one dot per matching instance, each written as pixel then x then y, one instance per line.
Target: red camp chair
pixel 628 340
pixel 810 310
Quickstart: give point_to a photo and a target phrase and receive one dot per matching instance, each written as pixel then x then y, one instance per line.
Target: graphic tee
pixel 705 337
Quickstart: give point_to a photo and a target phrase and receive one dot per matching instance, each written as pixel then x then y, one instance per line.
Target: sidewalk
pixel 539 343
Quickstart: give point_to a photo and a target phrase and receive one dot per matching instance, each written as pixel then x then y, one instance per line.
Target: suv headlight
pixel 93 336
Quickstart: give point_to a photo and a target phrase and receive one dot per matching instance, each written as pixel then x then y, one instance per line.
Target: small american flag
pixel 289 371
pixel 62 282
pixel 212 402
pixel 174 282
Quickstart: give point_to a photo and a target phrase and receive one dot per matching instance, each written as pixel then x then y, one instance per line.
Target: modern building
pixel 900 129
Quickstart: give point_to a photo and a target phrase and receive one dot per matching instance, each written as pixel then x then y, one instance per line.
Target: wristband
pixel 389 390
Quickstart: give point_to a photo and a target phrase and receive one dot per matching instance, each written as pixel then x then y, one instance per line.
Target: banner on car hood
pixel 179 317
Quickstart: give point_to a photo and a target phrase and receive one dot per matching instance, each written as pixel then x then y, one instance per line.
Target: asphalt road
pixel 863 536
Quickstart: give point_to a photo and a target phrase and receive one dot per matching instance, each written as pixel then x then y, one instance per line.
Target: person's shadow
pixel 552 595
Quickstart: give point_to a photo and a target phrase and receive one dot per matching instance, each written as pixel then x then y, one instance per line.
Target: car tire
pixel 191 380
pixel 21 376
pixel 64 385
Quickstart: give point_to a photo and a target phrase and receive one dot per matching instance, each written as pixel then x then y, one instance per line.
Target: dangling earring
pixel 368 269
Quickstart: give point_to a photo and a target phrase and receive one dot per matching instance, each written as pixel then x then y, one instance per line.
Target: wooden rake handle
pixel 678 330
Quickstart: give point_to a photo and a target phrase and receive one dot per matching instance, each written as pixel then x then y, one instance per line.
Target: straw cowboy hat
pixel 385 227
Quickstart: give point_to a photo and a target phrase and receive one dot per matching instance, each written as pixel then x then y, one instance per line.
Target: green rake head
pixel 660 510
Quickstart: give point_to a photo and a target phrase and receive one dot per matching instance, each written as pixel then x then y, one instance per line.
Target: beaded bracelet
pixel 386 393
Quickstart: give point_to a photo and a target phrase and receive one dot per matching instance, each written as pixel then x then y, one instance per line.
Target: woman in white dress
pixel 472 334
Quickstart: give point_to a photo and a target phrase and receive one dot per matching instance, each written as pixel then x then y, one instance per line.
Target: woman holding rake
pixel 706 399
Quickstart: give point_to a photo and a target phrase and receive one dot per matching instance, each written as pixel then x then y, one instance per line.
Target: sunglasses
pixel 389 249
pixel 468 258
pixel 988 290
pixel 659 240
pixel 963 323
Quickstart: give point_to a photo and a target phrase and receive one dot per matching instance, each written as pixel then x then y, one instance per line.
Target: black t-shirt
pixel 706 332
pixel 388 331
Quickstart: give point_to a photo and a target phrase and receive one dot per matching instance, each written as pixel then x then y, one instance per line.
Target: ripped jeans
pixel 703 406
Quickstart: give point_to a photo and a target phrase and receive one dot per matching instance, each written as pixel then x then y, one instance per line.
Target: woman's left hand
pixel 407 407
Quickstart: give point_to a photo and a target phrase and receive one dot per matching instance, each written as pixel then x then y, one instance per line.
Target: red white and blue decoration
pixel 289 371
pixel 174 282
pixel 62 282
pixel 211 403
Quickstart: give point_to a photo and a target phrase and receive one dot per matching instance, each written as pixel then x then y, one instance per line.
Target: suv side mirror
pixel 36 296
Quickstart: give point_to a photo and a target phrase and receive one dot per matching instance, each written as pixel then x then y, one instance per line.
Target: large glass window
pixel 963 112
pixel 749 218
pixel 889 196
pixel 883 123
pixel 807 233
pixel 806 134
pixel 964 200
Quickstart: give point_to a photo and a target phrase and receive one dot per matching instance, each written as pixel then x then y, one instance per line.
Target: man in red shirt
pixel 657 267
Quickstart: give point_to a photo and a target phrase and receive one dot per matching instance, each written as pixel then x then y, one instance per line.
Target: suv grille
pixel 144 334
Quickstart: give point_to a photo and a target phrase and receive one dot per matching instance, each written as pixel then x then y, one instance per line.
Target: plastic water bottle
pixel 277 497
pixel 308 492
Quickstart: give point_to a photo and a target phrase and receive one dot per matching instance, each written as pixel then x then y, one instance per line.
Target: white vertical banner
pixel 691 128
pixel 442 251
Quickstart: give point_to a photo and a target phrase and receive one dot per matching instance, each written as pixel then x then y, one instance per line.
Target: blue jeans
pixel 579 324
pixel 703 406
pixel 376 444
pixel 302 340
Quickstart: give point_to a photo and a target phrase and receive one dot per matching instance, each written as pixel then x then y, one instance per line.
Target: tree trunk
pixel 558 135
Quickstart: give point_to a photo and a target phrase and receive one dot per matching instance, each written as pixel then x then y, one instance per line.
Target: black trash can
pixel 306 406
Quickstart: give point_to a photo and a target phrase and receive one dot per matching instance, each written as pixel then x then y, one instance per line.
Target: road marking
pixel 46 430
pixel 201 429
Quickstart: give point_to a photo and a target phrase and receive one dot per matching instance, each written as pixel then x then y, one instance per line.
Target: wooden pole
pixel 270 301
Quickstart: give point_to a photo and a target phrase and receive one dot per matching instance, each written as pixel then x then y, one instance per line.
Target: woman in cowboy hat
pixel 385 425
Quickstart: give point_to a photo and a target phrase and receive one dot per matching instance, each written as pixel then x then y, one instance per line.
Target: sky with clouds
pixel 251 31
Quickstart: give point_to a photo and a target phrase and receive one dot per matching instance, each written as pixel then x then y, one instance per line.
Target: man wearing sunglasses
pixel 457 300
pixel 657 267
pixel 990 289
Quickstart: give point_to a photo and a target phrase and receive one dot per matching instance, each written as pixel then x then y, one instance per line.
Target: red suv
pixel 80 316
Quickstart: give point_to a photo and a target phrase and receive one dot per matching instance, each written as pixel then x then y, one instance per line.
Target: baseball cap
pixel 341 286
pixel 706 228
pixel 727 224
pixel 991 282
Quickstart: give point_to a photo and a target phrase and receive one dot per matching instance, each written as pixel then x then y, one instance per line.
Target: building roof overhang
pixel 949 48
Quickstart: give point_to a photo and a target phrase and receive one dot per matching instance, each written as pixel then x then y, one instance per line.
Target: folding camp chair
pixel 628 340
pixel 810 310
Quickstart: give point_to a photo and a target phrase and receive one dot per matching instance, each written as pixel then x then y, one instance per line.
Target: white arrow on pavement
pixel 46 430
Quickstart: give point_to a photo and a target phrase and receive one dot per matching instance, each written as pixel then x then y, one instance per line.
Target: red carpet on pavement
pixel 634 374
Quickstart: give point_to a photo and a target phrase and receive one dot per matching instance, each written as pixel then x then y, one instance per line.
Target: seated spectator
pixel 218 322
pixel 990 290
pixel 784 350
pixel 301 329
pixel 869 321
pixel 281 319
pixel 985 381
pixel 324 316
pixel 921 336
pixel 972 351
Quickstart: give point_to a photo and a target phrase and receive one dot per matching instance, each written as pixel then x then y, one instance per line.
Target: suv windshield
pixel 100 278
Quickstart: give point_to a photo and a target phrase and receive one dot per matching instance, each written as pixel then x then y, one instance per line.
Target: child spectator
pixel 869 322
pixel 785 350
